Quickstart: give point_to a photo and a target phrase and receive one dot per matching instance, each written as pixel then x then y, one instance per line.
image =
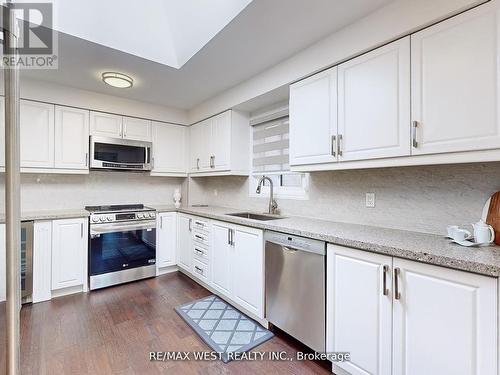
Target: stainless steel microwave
pixel 121 154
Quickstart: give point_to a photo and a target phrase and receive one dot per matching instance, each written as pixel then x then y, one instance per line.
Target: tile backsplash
pixel 46 191
pixel 424 199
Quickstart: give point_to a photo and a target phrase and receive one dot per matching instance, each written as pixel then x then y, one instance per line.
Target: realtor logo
pixel 36 40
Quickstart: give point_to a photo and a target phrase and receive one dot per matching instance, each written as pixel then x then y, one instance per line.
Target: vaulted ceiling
pixel 212 45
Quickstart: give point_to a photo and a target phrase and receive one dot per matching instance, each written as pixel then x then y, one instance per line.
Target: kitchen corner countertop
pixel 422 247
pixel 50 214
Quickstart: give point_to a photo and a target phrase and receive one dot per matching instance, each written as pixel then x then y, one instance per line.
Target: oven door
pixel 117 153
pixel 120 246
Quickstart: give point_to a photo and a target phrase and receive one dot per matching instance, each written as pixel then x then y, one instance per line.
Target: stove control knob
pixel 110 218
pixel 149 215
pixel 140 216
pixel 102 219
pixel 95 219
pixel 152 215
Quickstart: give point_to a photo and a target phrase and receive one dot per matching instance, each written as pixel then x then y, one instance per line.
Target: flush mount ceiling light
pixel 119 80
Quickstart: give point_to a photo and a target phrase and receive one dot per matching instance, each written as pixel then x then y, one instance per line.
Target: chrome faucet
pixel 273 206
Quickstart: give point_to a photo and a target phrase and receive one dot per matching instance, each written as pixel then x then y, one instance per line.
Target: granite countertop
pixel 50 214
pixel 423 247
pixel 427 248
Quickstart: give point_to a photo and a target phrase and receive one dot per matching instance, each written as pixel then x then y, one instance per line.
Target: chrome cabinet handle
pixel 334 145
pixel 232 237
pixel 190 228
pixel 212 161
pixel 385 291
pixel 199 251
pixel 199 237
pixel 414 134
pixel 87 159
pixel 198 269
pixel 397 294
pixel 197 163
pixel 81 230
pixel 339 145
pixel 161 222
pixel 228 236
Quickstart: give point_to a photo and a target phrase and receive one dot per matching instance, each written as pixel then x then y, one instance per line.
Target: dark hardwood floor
pixel 111 331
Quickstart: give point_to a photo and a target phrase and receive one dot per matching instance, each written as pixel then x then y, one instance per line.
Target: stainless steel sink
pixel 253 216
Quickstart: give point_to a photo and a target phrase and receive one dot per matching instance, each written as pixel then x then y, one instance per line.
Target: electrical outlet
pixel 370 200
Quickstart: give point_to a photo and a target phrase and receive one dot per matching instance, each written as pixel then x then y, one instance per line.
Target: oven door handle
pixel 121 227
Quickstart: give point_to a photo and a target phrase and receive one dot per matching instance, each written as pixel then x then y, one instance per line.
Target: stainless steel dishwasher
pixel 295 287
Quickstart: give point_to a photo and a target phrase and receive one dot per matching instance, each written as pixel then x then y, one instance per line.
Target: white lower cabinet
pixel 42 261
pixel 398 316
pixel 237 265
pixel 166 239
pixel 184 242
pixel 221 258
pixel 69 253
pixel 358 310
pixel 445 321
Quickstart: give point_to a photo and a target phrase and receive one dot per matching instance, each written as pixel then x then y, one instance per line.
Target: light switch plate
pixel 370 200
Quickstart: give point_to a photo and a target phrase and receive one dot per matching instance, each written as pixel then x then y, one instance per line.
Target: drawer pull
pixel 199 237
pixel 201 252
pixel 198 269
pixel 397 293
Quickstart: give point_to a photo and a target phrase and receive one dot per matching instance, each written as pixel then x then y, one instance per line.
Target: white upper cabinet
pixel 169 149
pixel 220 141
pixel 313 119
pixel 71 138
pixel 106 125
pixel 455 83
pixel 220 145
pixel 374 104
pixel 37 134
pixel 449 313
pixel 136 129
pixel 199 143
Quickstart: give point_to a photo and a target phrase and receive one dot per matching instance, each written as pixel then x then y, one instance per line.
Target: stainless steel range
pixel 122 245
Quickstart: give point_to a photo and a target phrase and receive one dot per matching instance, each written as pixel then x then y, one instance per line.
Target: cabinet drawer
pixel 200 270
pixel 201 238
pixel 201 253
pixel 201 225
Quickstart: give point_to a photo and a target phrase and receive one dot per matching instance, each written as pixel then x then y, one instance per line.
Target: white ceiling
pixel 263 34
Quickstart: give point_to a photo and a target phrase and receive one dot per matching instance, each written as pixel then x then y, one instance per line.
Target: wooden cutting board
pixel 493 216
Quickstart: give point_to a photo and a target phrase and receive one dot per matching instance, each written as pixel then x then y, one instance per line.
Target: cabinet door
pixel 199 146
pixel 313 119
pixel 2 131
pixel 455 83
pixel 69 248
pixel 359 309
pixel 248 269
pixel 184 242
pixel 220 141
pixel 3 262
pixel 221 261
pixel 105 125
pixel 169 148
pixel 136 129
pixel 37 134
pixel 445 321
pixel 374 103
pixel 71 138
pixel 166 240
pixel 42 261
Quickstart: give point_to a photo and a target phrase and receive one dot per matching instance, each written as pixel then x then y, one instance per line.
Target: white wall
pixel 53 93
pixel 396 19
pixel 425 199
